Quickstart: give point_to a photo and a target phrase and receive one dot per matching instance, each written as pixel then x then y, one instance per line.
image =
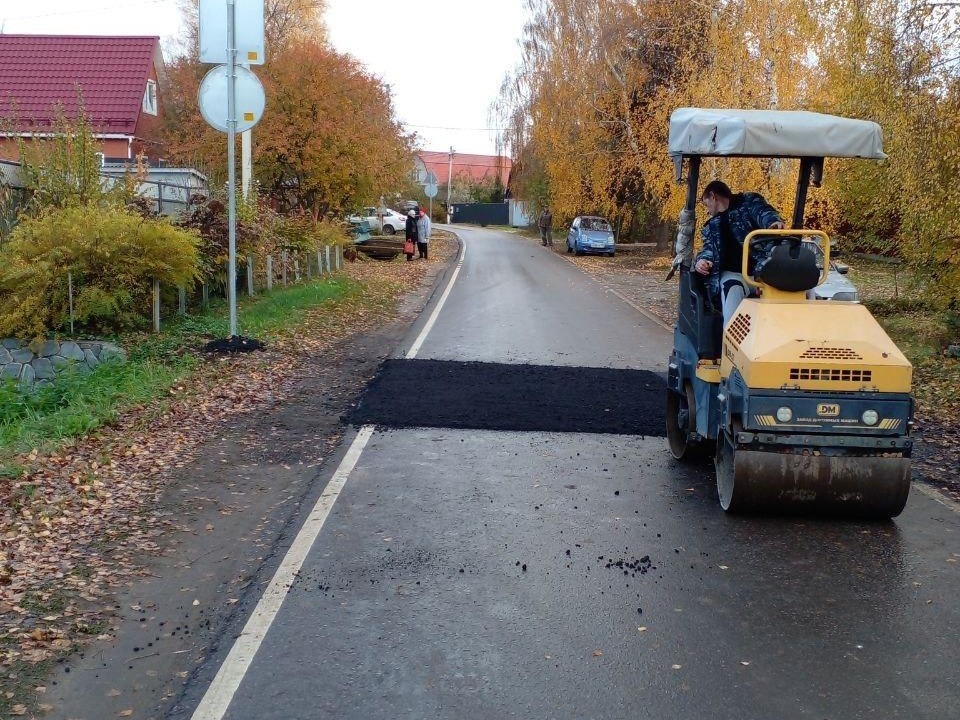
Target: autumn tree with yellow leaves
pixel 586 111
pixel 328 139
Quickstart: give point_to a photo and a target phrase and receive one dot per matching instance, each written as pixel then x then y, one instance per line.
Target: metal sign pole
pixel 232 164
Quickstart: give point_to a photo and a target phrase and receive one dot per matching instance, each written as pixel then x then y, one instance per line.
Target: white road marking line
pixel 415 348
pixel 214 704
pixel 935 494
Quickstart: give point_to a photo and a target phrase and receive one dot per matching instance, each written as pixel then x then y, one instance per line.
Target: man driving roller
pixel 732 218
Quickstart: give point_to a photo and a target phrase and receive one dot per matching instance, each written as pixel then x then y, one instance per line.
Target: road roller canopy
pixel 772 133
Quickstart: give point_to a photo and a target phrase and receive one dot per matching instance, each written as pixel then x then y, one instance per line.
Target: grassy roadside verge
pixel 80 402
pixel 920 330
pixel 81 515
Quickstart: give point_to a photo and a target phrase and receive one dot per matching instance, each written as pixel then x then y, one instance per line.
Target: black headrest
pixel 791 267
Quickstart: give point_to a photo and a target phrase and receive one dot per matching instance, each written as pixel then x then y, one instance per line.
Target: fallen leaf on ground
pixel 99 491
pixel 598 653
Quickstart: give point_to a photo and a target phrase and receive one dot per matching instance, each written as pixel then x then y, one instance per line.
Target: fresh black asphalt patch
pixel 495 396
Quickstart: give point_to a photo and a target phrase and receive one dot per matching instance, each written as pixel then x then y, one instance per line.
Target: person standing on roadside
pixel 423 233
pixel 546 227
pixel 411 235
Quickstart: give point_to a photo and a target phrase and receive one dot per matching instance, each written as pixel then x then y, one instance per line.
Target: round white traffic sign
pixel 430 190
pixel 212 97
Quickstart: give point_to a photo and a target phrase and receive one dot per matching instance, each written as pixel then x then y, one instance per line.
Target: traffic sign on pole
pixel 226 87
pixel 248 32
pixel 249 98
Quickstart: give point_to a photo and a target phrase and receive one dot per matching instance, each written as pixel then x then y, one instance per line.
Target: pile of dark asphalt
pixel 233 344
pixel 496 396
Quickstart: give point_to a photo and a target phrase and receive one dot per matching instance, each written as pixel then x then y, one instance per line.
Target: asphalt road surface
pixel 519 558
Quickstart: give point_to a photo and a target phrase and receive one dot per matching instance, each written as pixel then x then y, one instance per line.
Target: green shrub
pixel 112 254
pixel 207 217
pixel 63 169
pixel 895 306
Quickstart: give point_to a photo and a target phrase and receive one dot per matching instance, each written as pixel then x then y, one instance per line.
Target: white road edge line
pixel 935 494
pixel 415 348
pixel 216 700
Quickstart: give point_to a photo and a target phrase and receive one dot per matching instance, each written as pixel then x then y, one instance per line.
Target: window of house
pixel 150 98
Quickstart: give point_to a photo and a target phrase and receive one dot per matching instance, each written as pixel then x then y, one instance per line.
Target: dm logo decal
pixel 828 410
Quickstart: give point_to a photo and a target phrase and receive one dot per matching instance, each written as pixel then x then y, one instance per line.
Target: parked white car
pixel 382 220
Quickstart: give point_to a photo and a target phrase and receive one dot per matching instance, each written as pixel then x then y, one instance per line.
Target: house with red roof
pixel 119 78
pixel 472 168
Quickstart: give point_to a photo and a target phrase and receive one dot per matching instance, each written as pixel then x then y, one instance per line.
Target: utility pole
pixel 449 179
pixel 232 165
pixel 246 161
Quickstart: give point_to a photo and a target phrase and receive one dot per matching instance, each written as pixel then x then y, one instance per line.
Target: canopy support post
pixel 811 172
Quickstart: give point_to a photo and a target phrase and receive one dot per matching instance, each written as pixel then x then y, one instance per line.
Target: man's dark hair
pixel 717 188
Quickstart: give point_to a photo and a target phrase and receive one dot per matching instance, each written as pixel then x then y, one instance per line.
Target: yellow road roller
pixel 804 402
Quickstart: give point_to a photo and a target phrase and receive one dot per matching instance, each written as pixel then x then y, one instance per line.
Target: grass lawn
pixel 80 402
pixel 140 418
pixel 920 330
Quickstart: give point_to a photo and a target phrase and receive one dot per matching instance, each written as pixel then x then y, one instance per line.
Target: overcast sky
pixel 444 59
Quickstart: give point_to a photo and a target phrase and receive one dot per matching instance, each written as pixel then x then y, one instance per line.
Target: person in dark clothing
pixel 411 231
pixel 732 218
pixel 545 223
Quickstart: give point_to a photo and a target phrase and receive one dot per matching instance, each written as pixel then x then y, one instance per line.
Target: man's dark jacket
pixel 724 233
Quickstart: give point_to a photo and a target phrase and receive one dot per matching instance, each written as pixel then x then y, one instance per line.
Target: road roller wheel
pixel 725 463
pixel 681 424
pixel 812 482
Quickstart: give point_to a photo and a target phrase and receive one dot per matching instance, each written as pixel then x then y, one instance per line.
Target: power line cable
pixel 83 11
pixel 440 127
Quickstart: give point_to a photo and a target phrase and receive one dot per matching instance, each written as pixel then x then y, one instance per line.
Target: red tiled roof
pixel 476 167
pixel 39 71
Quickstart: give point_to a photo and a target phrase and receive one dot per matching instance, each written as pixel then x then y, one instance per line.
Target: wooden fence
pixel 263 274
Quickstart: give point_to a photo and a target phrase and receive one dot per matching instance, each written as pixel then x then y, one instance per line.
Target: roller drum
pixel 787 482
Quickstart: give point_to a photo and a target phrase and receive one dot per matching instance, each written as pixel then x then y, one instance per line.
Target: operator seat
pixel 791 267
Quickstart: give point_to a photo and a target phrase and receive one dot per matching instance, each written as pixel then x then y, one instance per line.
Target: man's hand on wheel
pixel 703 267
pixel 778 225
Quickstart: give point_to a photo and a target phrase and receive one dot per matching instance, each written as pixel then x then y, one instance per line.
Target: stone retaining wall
pixel 32 363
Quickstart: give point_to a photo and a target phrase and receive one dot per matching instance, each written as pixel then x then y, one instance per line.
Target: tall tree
pixel 328 138
pixel 283 22
pixel 586 111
